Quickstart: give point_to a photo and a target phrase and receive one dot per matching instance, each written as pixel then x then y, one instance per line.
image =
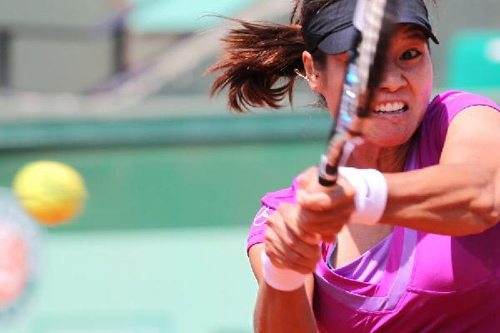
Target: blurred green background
pixel 115 89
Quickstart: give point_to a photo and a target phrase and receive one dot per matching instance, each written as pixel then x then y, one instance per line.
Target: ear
pixel 311 73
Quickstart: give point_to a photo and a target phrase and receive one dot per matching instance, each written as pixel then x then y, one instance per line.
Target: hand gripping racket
pixel 373 20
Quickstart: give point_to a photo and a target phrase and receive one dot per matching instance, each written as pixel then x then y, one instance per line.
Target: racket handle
pixel 327 173
pixel 328 167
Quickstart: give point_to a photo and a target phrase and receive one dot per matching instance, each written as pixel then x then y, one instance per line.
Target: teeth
pixel 390 107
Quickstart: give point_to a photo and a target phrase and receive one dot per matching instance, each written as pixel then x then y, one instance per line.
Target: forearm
pixel 278 311
pixel 452 199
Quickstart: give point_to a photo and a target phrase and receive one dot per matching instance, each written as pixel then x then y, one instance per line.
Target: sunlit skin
pixel 407 78
pixel 441 199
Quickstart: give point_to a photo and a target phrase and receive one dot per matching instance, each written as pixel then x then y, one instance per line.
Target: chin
pixel 389 140
pixel 393 135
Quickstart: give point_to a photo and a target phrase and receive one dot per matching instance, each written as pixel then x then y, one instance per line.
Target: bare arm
pixel 461 195
pixel 278 311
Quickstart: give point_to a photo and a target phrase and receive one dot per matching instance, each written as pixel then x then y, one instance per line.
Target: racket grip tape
pixel 328 174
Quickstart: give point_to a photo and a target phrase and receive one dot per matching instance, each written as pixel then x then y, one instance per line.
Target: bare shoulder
pixel 477 114
pixel 473 136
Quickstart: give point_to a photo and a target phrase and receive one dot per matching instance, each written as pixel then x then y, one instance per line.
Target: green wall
pixel 160 246
pixel 170 173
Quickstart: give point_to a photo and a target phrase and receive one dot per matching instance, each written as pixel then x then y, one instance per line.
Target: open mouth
pixel 391 108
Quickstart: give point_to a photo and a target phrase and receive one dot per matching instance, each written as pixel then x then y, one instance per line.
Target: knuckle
pixel 273 220
pixel 311 171
pixel 269 235
pixel 283 208
pixel 289 243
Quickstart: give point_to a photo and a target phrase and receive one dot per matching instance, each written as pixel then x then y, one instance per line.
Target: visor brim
pixel 341 41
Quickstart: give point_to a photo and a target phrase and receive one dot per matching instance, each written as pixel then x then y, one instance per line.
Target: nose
pixel 392 78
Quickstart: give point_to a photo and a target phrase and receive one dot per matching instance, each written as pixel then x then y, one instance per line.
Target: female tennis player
pixel 407 241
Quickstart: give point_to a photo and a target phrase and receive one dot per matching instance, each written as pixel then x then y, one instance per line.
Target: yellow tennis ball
pixel 52 192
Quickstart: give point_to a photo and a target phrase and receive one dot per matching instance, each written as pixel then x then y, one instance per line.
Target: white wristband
pixel 371 194
pixel 280 278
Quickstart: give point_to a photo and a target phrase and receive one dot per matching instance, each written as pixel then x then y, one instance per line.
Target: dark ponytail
pixel 257 56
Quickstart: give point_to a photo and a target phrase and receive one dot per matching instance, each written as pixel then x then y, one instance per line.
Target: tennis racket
pixel 374 21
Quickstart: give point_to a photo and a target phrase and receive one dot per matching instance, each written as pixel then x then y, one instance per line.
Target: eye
pixel 410 54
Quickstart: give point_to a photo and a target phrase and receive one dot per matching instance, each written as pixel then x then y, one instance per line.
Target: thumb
pixel 307 177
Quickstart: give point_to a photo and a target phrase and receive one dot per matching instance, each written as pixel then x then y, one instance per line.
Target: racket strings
pixel 368 46
pixel 355 98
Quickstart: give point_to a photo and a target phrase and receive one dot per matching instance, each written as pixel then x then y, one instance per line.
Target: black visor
pixel 332 30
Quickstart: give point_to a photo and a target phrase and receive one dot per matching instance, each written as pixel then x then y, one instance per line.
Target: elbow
pixel 486 206
pixel 481 220
pixel 492 216
pixel 488 220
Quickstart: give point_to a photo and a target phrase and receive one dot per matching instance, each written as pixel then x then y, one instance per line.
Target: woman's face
pixel 400 101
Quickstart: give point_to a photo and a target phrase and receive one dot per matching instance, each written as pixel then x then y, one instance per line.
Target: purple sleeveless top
pixel 411 281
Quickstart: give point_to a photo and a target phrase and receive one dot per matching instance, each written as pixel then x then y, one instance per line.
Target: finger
pixel 305 251
pixel 297 252
pixel 318 201
pixel 289 261
pixel 274 250
pixel 290 213
pixel 308 177
pixel 323 201
pixel 276 222
pixel 324 223
pixel 286 259
pixel 274 255
pixel 300 269
pixel 287 248
pixel 340 215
